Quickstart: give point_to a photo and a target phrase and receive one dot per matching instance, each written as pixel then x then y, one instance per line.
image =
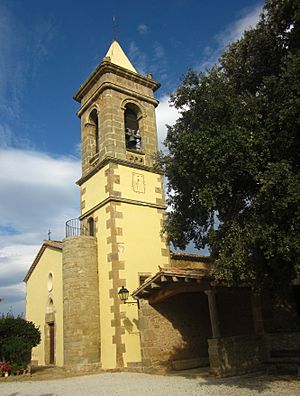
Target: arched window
pixel 132 132
pixel 91 226
pixel 94 122
pixel 50 306
pixel 50 281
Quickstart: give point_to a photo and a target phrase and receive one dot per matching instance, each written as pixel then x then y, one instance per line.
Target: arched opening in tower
pixel 95 123
pixel 132 132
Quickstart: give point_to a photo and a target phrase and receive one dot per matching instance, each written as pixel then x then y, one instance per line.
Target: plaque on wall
pixel 138 183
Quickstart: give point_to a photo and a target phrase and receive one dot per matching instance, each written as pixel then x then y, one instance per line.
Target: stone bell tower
pixel 122 201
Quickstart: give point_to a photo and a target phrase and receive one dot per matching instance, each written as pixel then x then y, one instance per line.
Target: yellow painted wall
pixel 108 349
pixel 150 183
pixel 37 296
pixel 94 190
pixel 140 247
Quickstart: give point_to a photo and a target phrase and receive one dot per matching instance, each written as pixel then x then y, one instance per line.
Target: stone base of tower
pixel 81 304
pixel 84 368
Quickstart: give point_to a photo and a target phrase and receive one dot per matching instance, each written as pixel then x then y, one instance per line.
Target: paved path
pixel 133 384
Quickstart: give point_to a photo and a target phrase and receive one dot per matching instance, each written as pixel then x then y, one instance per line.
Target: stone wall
pixel 235 355
pixel 176 329
pixel 283 341
pixel 81 303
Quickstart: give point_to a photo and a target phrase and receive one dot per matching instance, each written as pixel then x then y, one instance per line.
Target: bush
pixel 17 338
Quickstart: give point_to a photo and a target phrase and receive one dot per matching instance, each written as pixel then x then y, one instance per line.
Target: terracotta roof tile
pixel 189 257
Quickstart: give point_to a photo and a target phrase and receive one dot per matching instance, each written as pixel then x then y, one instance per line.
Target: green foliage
pixel 17 338
pixel 233 160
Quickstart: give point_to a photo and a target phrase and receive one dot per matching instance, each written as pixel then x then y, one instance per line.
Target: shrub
pixel 17 338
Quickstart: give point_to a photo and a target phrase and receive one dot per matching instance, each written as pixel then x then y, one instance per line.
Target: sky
pixel 47 49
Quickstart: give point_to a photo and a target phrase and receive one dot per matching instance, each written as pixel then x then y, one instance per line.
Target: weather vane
pixel 49 235
pixel 115 27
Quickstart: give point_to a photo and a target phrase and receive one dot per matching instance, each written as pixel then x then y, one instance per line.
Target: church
pixel 77 289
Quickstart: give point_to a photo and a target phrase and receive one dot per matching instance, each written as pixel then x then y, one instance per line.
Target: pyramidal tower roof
pixel 118 57
pixel 115 56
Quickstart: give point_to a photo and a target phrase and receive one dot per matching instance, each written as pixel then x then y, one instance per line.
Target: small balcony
pixel 76 228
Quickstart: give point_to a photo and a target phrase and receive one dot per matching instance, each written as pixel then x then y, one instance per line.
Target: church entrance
pixel 51 343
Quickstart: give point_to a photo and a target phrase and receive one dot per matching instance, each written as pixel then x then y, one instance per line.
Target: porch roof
pixel 170 281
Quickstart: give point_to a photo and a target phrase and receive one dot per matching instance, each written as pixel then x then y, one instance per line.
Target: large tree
pixel 233 155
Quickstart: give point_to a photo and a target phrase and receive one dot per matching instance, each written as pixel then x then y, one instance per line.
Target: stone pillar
pixel 81 303
pixel 213 312
pixel 88 145
pixel 257 314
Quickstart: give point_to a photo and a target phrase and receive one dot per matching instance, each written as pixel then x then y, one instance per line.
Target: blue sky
pixel 47 49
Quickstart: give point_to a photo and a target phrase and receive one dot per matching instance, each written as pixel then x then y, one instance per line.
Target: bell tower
pixel 122 200
pixel 117 114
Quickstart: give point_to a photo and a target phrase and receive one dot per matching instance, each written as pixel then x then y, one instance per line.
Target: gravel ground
pixel 129 384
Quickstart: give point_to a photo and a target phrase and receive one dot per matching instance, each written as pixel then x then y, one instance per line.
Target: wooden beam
pixel 145 291
pixel 155 286
pixel 172 289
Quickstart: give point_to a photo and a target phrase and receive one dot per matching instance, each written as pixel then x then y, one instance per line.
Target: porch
pixel 185 323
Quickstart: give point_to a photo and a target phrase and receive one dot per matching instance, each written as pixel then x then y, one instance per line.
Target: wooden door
pixel 52 337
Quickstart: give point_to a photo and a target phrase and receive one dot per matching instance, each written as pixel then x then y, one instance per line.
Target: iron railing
pixel 75 228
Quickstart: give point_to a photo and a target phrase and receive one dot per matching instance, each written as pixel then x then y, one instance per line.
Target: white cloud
pixel 159 51
pixel 165 114
pixel 138 58
pixel 22 50
pixel 142 28
pixel 156 63
pixel 6 136
pixel 42 168
pixel 37 192
pixel 159 62
pixel 234 31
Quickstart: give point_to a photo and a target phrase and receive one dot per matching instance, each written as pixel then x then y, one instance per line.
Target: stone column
pixel 213 312
pixel 257 314
pixel 88 145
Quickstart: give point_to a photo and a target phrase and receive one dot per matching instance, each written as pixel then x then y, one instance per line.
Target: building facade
pixel 117 241
pixel 182 319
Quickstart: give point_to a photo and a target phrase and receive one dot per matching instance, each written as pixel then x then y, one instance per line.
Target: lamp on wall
pixel 123 294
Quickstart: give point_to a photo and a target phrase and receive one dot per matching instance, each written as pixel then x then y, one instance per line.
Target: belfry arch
pixel 94 126
pixel 132 125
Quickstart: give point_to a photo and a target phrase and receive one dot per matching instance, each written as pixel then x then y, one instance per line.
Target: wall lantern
pixel 123 294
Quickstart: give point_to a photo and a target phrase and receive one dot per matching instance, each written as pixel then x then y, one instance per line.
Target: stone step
pixel 186 364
